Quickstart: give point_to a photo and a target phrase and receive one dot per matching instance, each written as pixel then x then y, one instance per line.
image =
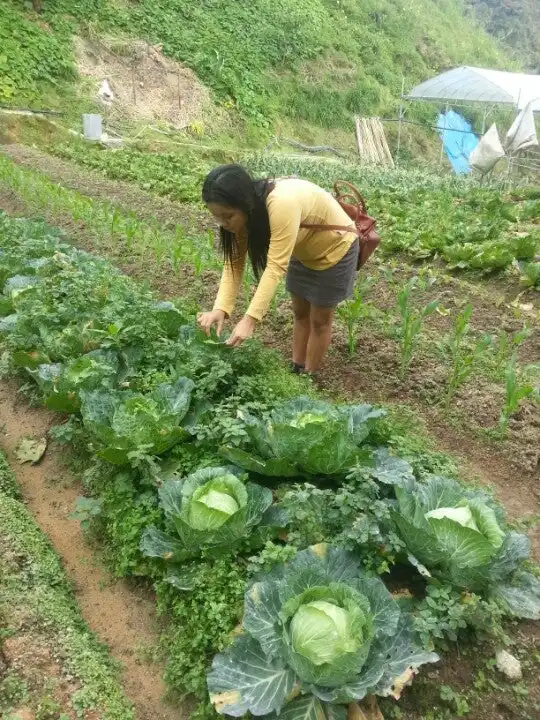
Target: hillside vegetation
pixel 516 23
pixel 317 61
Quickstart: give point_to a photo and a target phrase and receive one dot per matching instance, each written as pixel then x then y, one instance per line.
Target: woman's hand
pixel 242 331
pixel 207 320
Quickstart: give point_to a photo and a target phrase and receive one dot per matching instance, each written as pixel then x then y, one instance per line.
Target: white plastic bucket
pixel 92 127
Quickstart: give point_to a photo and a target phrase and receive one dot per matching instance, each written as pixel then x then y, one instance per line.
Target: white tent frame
pixel 468 86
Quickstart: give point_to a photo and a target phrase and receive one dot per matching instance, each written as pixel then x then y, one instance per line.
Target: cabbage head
pixel 305 438
pixel 211 511
pixel 215 502
pixel 460 536
pixel 319 630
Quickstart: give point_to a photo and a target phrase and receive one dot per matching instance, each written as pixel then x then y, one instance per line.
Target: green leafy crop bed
pixel 271 522
pixel 419 213
pixel 36 598
pixel 426 215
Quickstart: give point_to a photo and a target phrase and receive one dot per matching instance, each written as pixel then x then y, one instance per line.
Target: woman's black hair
pixel 233 186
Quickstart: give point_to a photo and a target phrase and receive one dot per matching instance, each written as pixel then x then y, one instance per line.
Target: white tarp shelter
pixel 477 85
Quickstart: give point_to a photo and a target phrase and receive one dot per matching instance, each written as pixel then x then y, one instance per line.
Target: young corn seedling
pixel 116 219
pixel 131 229
pixel 463 355
pixel 508 344
pixel 353 311
pixel 517 388
pixel 410 324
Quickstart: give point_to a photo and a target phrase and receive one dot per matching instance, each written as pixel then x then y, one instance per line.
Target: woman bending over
pixel 263 220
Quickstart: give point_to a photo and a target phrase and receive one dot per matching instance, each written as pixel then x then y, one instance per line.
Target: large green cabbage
pixel 460 536
pixel 318 628
pixel 305 437
pixel 212 510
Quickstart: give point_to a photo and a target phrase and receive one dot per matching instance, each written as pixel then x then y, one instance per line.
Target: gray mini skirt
pixel 324 288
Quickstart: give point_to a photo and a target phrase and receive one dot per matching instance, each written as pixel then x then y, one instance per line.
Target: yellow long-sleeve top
pixel 289 204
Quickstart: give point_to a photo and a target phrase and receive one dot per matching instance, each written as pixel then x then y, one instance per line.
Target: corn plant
pixel 102 219
pixel 410 324
pixel 508 344
pixel 353 311
pixel 517 388
pixel 463 355
pixel 116 221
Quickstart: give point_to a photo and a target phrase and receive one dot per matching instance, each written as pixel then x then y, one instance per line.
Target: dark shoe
pixel 297 369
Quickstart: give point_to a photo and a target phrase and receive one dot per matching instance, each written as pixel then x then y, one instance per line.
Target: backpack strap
pixel 344 228
pixel 352 193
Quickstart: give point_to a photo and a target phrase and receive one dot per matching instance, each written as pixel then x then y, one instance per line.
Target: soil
pixel 470 674
pixel 121 616
pixel 146 85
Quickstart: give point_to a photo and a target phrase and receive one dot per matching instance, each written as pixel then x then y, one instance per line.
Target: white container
pixel 92 127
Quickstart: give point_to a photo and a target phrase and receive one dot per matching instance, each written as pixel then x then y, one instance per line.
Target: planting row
pixel 422 214
pixel 248 499
pixel 462 350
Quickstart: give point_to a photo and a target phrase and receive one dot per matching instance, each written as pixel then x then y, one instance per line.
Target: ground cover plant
pixel 38 608
pixel 169 483
pixel 287 64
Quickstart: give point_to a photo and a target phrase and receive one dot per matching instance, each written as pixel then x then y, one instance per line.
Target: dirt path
pixel 122 618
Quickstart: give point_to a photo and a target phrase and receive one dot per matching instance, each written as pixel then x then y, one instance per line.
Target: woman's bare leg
pixel 320 335
pixel 301 330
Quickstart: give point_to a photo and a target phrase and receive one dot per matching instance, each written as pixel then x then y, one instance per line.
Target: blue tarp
pixel 458 140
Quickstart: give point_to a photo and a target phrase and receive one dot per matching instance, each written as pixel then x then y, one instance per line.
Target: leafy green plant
pixel 462 355
pixel 460 536
pixel 410 323
pixel 454 700
pixel 212 510
pixel 61 384
pixel 317 627
pixel 530 274
pixel 353 311
pixel 516 390
pixel 86 510
pixel 202 621
pixel 305 437
pixel 446 613
pixel 124 422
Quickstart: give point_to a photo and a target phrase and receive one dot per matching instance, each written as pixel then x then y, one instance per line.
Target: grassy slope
pixel 316 61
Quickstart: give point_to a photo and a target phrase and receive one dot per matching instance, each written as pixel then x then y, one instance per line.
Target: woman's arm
pixel 284 227
pixel 231 278
pixel 285 218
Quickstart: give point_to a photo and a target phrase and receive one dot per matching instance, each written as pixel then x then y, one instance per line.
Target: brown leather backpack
pixel 354 205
